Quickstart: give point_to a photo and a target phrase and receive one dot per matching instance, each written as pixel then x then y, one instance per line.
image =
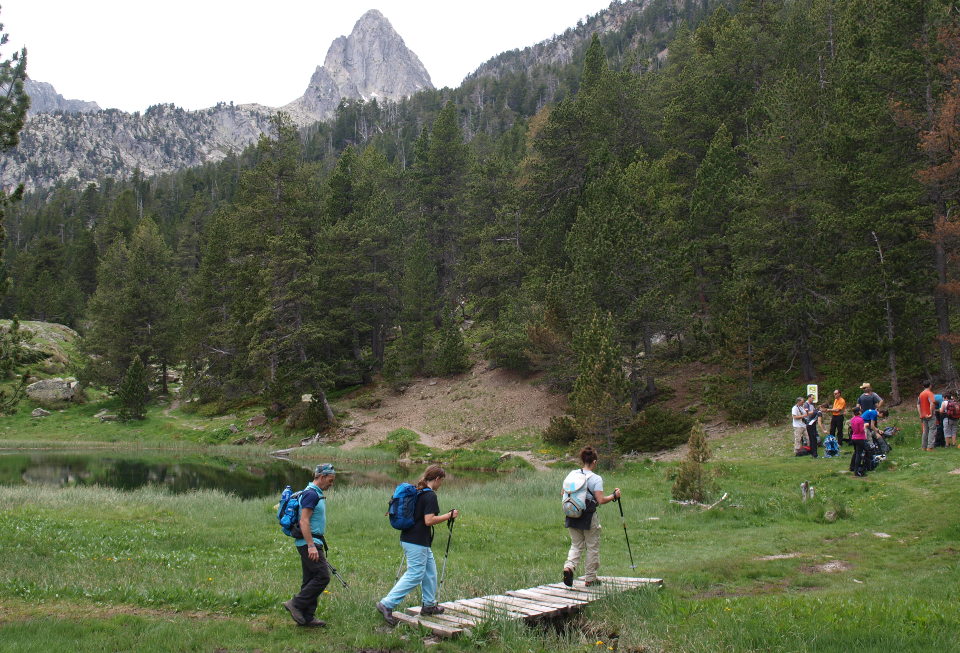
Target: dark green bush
pixel 654 429
pixel 508 348
pixel 562 431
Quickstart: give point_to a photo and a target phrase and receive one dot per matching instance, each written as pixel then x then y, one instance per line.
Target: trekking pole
pixel 336 573
pixel 403 556
pixel 443 574
pixel 326 552
pixel 623 520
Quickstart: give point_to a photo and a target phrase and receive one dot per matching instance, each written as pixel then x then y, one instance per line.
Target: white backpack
pixel 574 495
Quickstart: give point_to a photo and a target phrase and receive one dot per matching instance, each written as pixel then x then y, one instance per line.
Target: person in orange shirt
pixel 837 413
pixel 928 421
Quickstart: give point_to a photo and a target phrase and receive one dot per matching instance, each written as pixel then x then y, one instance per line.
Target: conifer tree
pixel 692 482
pixel 598 402
pixel 133 392
pixel 134 307
pixel 14 103
pixel 451 355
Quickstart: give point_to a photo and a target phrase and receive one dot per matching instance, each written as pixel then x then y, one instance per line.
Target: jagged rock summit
pixel 372 62
pixel 45 99
pixel 67 140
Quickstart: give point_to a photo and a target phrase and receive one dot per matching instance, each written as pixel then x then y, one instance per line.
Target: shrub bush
pixel 562 431
pixel 654 429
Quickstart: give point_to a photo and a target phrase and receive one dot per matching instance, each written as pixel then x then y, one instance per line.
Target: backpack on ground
pixel 831 448
pixel 402 505
pixel 288 513
pixel 953 409
pixel 574 497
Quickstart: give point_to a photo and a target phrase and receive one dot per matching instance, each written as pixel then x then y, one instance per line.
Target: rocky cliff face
pixel 45 99
pixel 373 62
pixel 71 139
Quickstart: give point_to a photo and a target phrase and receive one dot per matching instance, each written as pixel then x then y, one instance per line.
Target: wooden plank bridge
pixel 529 604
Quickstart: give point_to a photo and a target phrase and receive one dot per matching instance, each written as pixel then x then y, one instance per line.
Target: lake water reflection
pixel 244 477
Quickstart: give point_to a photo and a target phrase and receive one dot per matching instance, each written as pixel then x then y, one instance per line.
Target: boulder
pixel 53 390
pixel 39 412
pixel 259 420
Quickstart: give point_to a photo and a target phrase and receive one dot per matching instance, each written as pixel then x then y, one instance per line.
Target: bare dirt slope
pixel 451 412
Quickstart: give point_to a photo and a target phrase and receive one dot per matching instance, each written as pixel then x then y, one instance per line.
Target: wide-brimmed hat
pixel 864 385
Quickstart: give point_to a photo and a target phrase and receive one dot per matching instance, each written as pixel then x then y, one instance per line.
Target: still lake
pixel 183 472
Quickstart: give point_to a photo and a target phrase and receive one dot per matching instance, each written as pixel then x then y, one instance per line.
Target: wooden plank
pixel 483 603
pixel 543 599
pixel 564 594
pixel 485 610
pixel 470 611
pixel 456 619
pixel 514 604
pixel 526 604
pixel 495 604
pixel 587 592
pixel 629 579
pixel 560 601
pixel 437 628
pixel 563 590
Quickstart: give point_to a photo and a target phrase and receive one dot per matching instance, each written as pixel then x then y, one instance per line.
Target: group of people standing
pixel 808 422
pixel 939 415
pixel 939 419
pixel 417 540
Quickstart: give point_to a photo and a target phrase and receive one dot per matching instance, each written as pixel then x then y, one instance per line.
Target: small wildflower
pixel 326 591
pixel 209 579
pixel 599 643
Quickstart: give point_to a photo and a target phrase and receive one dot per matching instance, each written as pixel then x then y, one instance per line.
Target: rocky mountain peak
pixel 71 139
pixel 372 62
pixel 45 99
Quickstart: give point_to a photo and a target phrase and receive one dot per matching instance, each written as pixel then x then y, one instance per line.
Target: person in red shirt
pixel 928 421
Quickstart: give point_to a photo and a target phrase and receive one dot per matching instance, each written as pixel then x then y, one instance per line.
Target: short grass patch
pixel 98 569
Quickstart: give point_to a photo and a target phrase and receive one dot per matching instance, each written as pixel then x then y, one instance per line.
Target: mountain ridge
pixel 73 139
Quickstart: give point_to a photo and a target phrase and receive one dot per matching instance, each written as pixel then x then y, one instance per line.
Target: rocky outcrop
pixel 53 390
pixel 45 99
pixel 372 62
pixel 70 139
pixel 623 17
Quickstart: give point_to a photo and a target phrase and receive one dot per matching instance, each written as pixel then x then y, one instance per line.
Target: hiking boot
pixel 315 623
pixel 432 609
pixel 592 583
pixel 294 612
pixel 568 577
pixel 387 614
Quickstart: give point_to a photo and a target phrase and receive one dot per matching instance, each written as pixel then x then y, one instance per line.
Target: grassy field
pixel 868 564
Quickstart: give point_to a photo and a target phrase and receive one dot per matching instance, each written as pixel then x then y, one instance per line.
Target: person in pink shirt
pixel 928 421
pixel 858 438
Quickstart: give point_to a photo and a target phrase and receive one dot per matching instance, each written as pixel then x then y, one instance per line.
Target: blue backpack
pixel 402 505
pixel 288 513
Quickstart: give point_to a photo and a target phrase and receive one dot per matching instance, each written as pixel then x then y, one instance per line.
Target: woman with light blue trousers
pixel 416 541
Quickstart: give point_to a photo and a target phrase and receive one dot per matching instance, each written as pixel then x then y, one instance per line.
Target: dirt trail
pixel 455 411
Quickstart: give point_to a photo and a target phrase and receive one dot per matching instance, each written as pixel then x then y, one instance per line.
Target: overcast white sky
pixel 130 54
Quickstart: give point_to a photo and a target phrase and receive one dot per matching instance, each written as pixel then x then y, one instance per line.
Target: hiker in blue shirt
pixel 313 525
pixel 416 542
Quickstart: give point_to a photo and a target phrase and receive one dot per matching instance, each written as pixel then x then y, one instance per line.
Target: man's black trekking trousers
pixel 316 577
pixel 836 427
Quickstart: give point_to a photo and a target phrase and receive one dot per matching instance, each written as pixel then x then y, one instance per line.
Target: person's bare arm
pixel 433 520
pixel 601 499
pixel 305 515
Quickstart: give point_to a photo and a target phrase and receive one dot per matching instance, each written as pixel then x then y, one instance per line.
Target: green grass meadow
pixel 867 565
